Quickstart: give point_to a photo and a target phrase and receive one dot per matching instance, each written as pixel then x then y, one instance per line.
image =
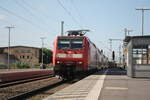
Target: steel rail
pixel 35 91
pixel 7 84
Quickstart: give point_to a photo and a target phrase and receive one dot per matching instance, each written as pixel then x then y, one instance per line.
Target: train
pixel 75 53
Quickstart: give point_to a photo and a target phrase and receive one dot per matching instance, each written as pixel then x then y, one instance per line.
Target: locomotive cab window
pixel 74 43
pixel 63 43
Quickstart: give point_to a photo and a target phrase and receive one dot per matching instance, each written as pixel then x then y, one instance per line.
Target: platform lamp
pixel 142 9
pixel 42 38
pixel 9 29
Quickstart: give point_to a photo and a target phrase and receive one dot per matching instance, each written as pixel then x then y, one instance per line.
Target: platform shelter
pixel 138 56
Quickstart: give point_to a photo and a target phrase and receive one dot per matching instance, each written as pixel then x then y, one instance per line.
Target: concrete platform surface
pixel 111 84
pixel 117 86
pixel 83 89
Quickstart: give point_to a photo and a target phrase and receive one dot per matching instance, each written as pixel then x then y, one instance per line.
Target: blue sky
pixel 41 18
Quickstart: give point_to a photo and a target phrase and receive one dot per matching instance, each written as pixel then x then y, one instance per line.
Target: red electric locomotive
pixel 74 54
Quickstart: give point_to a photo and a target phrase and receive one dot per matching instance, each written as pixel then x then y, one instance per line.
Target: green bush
pixel 13 66
pixel 22 65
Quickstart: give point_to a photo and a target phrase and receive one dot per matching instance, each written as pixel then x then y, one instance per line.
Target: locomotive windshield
pixel 72 43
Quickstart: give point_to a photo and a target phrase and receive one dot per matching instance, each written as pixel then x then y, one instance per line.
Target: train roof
pixel 77 37
pixel 72 37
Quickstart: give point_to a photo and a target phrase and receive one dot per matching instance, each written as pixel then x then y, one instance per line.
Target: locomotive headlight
pixel 80 62
pixel 77 55
pixel 61 55
pixel 58 62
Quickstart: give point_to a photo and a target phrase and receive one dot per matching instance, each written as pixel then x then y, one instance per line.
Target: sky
pixel 106 19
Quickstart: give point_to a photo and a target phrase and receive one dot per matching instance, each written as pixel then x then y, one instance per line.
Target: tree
pixel 47 56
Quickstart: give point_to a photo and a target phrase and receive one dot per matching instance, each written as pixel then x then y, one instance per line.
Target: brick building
pixel 26 54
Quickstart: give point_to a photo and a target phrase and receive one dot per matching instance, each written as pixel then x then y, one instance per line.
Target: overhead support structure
pixel 127 32
pixel 111 44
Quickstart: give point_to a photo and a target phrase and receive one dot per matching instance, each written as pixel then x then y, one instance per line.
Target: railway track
pixel 32 88
pixel 52 89
pixel 35 91
pixel 6 84
pixel 23 89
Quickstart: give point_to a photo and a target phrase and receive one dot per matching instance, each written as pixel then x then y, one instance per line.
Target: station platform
pixel 110 84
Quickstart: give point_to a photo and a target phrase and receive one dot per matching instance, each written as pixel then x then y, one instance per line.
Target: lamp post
pixel 9 28
pixel 42 38
pixel 142 9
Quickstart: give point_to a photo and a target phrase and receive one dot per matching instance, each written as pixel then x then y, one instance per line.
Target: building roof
pixel 20 47
pixel 128 38
pixel 138 41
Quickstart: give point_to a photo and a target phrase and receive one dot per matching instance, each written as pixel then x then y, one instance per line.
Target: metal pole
pixel 129 32
pixel 142 9
pixel 62 28
pixel 8 63
pixel 9 48
pixel 42 51
pixel 120 54
pixel 125 32
pixel 42 38
pixel 110 45
pixel 142 22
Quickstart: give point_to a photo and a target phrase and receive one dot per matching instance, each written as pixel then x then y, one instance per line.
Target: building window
pixel 28 57
pixel 23 56
pixel 24 51
pixel 141 56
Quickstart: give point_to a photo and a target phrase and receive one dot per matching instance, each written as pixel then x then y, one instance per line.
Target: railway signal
pixel 113 55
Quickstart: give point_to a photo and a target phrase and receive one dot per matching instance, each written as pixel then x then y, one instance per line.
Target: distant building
pixel 26 54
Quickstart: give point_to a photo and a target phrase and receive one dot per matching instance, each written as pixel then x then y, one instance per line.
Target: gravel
pixel 10 91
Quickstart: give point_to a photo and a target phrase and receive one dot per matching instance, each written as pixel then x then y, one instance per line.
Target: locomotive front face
pixel 69 51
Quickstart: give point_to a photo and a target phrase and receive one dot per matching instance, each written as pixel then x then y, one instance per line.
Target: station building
pixel 26 54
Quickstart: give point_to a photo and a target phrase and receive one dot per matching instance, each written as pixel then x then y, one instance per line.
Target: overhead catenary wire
pixel 31 7
pixel 21 17
pixel 69 13
pixel 42 14
pixel 25 8
pixel 35 10
pixel 77 11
